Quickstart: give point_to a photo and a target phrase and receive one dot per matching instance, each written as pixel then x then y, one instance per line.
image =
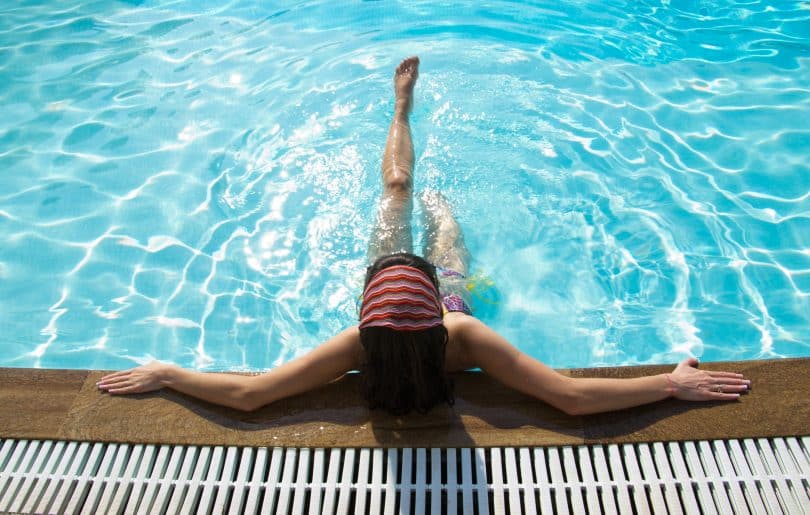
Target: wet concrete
pixel 65 404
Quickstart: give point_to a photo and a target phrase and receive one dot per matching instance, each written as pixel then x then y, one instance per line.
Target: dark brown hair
pixel 404 370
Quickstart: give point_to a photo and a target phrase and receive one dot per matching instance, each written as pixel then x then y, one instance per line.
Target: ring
pixel 720 388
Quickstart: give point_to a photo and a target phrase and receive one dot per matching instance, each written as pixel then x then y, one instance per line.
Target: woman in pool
pixel 415 325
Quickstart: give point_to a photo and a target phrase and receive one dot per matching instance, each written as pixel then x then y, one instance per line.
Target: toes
pixel 408 65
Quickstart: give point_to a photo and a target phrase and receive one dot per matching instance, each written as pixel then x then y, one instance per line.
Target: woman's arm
pixel 579 396
pixel 326 363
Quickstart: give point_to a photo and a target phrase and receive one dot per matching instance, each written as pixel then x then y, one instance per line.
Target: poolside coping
pixel 66 405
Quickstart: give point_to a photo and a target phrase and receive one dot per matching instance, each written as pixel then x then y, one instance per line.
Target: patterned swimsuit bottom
pixel 452 301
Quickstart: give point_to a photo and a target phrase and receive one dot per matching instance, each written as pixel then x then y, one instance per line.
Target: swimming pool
pixel 196 182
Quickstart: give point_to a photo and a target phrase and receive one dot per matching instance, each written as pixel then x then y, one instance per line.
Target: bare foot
pixel 404 80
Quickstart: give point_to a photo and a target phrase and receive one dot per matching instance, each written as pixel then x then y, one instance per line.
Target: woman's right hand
pixel 689 383
pixel 146 378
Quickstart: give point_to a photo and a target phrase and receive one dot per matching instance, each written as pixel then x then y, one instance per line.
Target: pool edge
pixel 65 405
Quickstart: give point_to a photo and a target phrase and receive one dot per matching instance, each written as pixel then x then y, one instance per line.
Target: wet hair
pixel 403 371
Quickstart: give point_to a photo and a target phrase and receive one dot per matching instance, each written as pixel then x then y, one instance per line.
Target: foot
pixel 404 80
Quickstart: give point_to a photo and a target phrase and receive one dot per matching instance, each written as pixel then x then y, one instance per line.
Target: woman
pixel 410 335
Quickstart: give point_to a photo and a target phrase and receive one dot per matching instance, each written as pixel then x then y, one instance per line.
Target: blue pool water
pixel 196 181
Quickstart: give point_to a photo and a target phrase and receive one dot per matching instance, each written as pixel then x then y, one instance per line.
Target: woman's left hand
pixel 146 378
pixel 691 384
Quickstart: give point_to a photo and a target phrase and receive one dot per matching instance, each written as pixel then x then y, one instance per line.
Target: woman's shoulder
pixel 457 325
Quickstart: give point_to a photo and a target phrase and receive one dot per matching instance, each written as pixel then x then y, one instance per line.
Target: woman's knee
pixel 398 182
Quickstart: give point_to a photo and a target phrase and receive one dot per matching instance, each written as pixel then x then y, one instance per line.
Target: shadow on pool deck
pixel 65 404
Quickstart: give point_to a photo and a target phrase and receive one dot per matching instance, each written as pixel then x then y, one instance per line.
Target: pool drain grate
pixel 721 476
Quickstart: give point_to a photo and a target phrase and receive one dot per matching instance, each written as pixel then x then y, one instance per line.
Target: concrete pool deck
pixel 66 405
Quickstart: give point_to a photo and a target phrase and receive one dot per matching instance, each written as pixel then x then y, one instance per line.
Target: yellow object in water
pixel 482 288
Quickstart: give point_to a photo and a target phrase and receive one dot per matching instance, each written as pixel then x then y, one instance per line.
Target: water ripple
pixel 196 181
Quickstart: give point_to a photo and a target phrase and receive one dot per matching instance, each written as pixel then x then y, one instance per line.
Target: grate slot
pixel 346 478
pixel 649 472
pixel 331 484
pixel 527 482
pixel 467 499
pixel 589 484
pixel 610 488
pixel 664 469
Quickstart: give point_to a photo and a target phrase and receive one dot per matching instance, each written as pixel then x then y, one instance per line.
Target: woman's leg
pixel 444 243
pixel 393 230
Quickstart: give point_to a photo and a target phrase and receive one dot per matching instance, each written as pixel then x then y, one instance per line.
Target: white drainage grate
pixel 722 476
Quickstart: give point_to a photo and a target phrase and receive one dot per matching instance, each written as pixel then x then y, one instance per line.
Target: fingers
pixel 111 385
pixel 724 391
pixel 127 387
pixel 706 385
pixel 122 386
pixel 110 380
pixel 724 384
pixel 114 375
pixel 729 380
pixel 729 388
pixel 137 380
pixel 120 382
pixel 729 385
pixel 725 374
